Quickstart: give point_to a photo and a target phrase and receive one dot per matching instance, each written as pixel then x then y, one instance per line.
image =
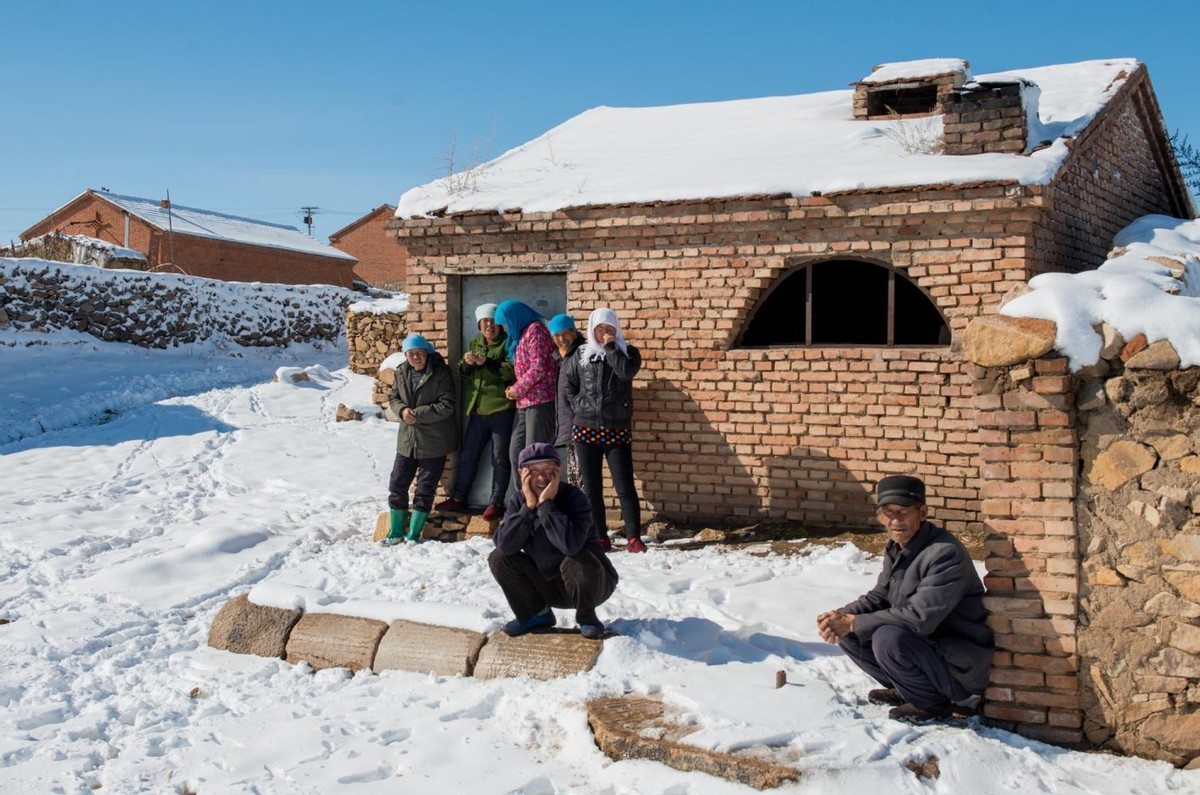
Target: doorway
pixel 546 293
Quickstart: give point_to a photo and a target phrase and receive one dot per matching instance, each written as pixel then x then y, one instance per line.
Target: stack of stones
pixel 162 310
pixel 1092 507
pixel 372 337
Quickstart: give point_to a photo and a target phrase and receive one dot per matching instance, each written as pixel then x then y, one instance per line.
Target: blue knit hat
pixel 415 342
pixel 560 323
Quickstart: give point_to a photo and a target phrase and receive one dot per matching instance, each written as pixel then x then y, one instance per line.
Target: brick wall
pixel 197 256
pixel 1111 178
pixel 794 432
pixel 1028 470
pixel 979 120
pixel 381 261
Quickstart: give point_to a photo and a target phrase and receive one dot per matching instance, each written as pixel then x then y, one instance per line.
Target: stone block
pixel 327 640
pixel 1159 356
pixel 1119 463
pixel 999 340
pixel 478 526
pixel 1179 734
pixel 539 655
pixel 243 627
pixel 347 414
pixel 1184 547
pixel 640 728
pixel 446 651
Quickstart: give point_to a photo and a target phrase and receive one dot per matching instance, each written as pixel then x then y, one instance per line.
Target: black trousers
pixel 582 584
pixel 428 471
pixel 620 466
pixel 898 658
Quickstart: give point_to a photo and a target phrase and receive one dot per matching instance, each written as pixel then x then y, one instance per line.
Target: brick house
pixel 799 271
pixel 197 242
pixel 381 263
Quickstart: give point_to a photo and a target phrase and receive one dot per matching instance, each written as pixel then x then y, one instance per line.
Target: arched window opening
pixel 846 302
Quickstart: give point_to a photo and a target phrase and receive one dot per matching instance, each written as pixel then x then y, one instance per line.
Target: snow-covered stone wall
pixel 158 310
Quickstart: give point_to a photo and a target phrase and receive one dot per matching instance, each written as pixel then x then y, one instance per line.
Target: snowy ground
pixel 139 490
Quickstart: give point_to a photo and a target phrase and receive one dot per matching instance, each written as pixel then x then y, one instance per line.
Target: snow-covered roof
pixel 206 223
pixel 796 145
pixel 915 70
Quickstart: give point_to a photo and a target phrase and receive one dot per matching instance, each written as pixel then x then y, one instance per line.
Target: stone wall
pixel 157 310
pixel 371 338
pixel 1091 495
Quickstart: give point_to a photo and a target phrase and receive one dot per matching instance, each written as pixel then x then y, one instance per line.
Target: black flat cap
pixel 900 490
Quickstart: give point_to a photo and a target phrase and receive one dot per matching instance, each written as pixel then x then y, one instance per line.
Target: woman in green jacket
pixel 486 372
pixel 422 397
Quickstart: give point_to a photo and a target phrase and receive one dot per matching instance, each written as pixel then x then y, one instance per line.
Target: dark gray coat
pixel 432 400
pixel 600 392
pixel 563 413
pixel 932 590
pixel 552 531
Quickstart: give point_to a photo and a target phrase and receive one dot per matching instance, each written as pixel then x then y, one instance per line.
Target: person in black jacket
pixel 599 389
pixel 546 552
pixel 922 630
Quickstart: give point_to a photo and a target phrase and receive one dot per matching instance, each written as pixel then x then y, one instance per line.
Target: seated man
pixel 546 551
pixel 922 630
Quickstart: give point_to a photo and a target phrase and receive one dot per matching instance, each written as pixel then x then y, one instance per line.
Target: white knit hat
pixel 485 312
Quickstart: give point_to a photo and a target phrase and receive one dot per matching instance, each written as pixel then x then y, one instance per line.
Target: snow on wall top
pixel 1149 285
pixel 206 223
pixel 915 70
pixel 796 144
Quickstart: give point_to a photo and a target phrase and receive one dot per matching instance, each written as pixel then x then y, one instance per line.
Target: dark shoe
pixel 517 627
pixel 592 631
pixel 911 713
pixel 885 697
pixel 605 542
pixel 493 513
pixel 450 506
pixel 635 545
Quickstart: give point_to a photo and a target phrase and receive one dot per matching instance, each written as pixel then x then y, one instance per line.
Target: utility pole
pixel 308 217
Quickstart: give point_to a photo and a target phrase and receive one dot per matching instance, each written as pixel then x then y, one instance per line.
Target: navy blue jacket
pixel 932 590
pixel 557 529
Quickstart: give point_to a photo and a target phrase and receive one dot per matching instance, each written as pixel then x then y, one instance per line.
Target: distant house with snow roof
pixel 799 271
pixel 381 263
pixel 199 242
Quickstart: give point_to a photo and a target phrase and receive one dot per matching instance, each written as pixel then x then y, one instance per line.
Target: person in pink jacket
pixel 531 349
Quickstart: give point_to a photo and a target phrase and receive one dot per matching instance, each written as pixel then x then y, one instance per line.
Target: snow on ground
pixel 166 482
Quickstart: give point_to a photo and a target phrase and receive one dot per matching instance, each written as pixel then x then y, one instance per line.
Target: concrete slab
pixel 640 728
pixel 328 640
pixel 540 655
pixel 243 627
pixel 422 648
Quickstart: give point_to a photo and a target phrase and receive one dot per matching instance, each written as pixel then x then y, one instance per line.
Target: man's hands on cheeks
pixel 550 491
pixel 531 497
pixel 834 625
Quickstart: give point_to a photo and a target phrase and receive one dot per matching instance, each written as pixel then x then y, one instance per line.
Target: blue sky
pixel 259 108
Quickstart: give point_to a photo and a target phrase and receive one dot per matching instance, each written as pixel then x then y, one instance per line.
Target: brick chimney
pixel 909 89
pixel 990 116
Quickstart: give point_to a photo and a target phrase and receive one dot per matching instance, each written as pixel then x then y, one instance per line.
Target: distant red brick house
pixel 198 242
pixel 799 272
pixel 381 263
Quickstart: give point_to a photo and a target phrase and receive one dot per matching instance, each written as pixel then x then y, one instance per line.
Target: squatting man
pixel 547 554
pixel 922 631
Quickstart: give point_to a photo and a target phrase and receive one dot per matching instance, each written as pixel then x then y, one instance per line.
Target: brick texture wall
pixel 1028 470
pixel 787 433
pixel 1113 176
pixel 381 261
pixel 197 256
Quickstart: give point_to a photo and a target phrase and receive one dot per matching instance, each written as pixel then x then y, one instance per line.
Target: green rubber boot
pixel 417 524
pixel 395 528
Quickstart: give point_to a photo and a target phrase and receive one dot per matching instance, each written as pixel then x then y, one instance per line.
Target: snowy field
pixel 140 490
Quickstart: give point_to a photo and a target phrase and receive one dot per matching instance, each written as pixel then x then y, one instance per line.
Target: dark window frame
pixel 794 267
